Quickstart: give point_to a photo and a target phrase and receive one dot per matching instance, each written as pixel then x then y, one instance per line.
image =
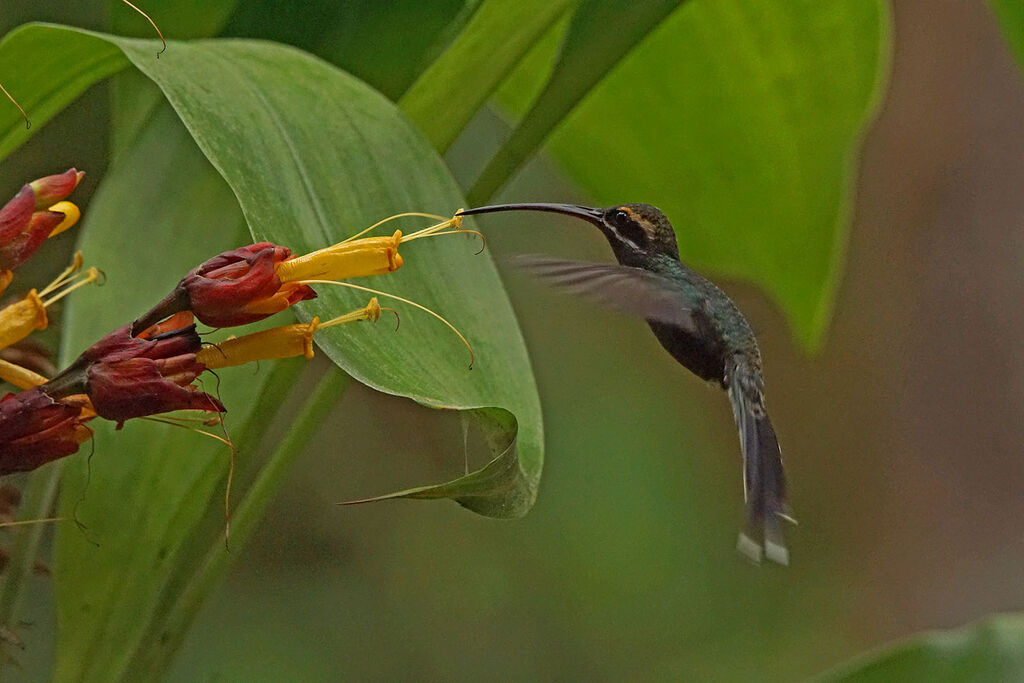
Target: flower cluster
pixel 152 366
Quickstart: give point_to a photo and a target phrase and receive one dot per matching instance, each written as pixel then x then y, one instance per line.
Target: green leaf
pixel 386 43
pixel 297 191
pixel 445 97
pixel 600 34
pixel 45 77
pixel 742 120
pixel 312 156
pixel 177 19
pixel 133 97
pixel 1011 16
pixel 988 650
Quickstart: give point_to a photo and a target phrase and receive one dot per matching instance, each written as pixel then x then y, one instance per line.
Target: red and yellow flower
pixel 36 213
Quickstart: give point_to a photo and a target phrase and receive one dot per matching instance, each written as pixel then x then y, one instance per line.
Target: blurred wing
pixel 628 290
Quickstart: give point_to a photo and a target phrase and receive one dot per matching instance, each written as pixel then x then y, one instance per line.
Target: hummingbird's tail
pixel 764 482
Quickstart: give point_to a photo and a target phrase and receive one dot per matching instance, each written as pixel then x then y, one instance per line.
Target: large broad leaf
pixel 177 19
pixel 311 155
pixel 386 43
pixel 600 34
pixel 452 89
pixel 133 98
pixel 990 650
pixel 1011 15
pixel 742 120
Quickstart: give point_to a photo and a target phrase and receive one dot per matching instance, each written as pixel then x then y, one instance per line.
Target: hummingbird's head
pixel 639 229
pixel 635 231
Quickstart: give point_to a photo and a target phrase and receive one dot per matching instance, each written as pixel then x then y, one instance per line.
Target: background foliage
pixel 741 119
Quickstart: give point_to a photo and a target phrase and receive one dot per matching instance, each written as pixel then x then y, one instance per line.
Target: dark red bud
pixel 18 250
pixel 236 287
pixel 26 222
pixel 54 188
pixel 35 429
pixel 15 214
pixel 138 387
pixel 126 376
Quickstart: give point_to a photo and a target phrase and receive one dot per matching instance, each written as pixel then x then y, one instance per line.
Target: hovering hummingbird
pixel 698 324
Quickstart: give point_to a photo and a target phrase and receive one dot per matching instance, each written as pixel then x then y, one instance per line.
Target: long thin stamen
pixel 442 229
pixel 175 423
pixel 76 265
pixel 28 123
pixel 454 222
pixel 472 355
pixel 391 218
pixel 44 520
pixel 370 311
pixel 479 234
pixel 89 276
pixel 151 23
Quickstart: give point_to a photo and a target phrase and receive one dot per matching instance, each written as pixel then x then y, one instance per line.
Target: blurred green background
pixel 902 439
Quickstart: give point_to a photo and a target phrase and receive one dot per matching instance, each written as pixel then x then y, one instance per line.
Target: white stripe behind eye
pixel 619 236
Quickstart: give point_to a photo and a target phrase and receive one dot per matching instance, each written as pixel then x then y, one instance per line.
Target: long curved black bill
pixel 584 212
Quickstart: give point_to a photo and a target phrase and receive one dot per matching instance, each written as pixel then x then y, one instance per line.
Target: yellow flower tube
pixel 23 378
pixel 21 319
pixel 287 341
pixel 358 258
pixel 71 216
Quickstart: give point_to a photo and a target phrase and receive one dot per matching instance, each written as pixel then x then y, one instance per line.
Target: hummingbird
pixel 698 324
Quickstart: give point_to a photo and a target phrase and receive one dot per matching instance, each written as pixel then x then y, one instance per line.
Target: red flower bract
pixel 126 376
pixel 54 188
pixel 35 429
pixel 24 221
pixel 236 287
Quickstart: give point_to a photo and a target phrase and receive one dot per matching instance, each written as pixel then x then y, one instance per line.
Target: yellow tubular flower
pixel 280 342
pixel 5 279
pixel 21 318
pixel 358 258
pixel 23 378
pixel 71 215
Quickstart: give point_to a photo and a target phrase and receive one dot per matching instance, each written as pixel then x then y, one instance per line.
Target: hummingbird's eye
pixel 628 228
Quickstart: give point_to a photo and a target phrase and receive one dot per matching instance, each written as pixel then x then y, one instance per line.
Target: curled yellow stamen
pixel 472 355
pixel 28 123
pixel 44 520
pixel 453 222
pixel 286 341
pixel 151 23
pixel 23 378
pixel 379 223
pixel 71 215
pixel 60 280
pixel 175 421
pixel 20 319
pixel 80 280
